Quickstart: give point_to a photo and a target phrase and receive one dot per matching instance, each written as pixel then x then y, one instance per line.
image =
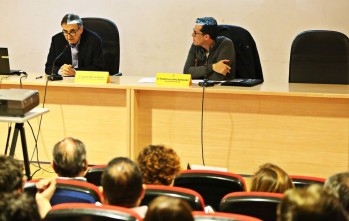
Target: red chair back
pixel 212 185
pixel 261 205
pixel 94 174
pixel 68 191
pixel 303 181
pixel 88 212
pixel 194 199
pixel 219 216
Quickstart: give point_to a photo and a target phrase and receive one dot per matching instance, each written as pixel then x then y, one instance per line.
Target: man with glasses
pixel 75 48
pixel 210 57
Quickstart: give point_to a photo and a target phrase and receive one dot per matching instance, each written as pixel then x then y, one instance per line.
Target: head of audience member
pixel 164 208
pixel 122 183
pixel 69 158
pixel 339 185
pixel 313 203
pixel 16 206
pixel 205 31
pixel 159 164
pixel 72 28
pixel 271 178
pixel 11 175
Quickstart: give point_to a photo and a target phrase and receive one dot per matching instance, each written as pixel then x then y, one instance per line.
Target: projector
pixel 17 102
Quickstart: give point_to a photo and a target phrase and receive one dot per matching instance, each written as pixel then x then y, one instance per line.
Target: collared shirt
pixel 75 55
pixel 73 178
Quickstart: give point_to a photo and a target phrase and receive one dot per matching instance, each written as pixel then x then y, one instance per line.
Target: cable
pixel 202 125
pixel 25 75
pixel 2 79
pixel 46 85
pixel 36 137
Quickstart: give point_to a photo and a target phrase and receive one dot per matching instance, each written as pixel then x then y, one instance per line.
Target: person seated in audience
pixel 313 203
pixel 12 181
pixel 11 175
pixel 271 178
pixel 17 206
pixel 159 164
pixel 339 184
pixel 164 208
pixel 122 185
pixel 69 159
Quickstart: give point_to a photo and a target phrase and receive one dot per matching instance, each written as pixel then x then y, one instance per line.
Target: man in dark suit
pixel 75 48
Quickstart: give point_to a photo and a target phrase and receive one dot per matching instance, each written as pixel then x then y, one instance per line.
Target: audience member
pixel 17 206
pixel 11 174
pixel 122 185
pixel 313 203
pixel 210 56
pixel 159 164
pixel 271 178
pixel 165 208
pixel 69 159
pixel 339 185
pixel 12 182
pixel 75 48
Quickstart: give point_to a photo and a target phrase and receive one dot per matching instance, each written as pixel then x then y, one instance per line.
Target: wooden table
pixel 304 128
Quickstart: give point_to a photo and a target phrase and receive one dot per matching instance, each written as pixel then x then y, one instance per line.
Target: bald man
pixel 69 158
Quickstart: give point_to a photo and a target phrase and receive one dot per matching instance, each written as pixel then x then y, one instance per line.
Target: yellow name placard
pixel 97 77
pixel 172 79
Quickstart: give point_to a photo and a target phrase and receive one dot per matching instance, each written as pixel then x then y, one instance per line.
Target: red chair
pixel 194 199
pixel 94 174
pixel 212 185
pixel 88 212
pixel 68 191
pixel 218 216
pixel 261 205
pixel 303 181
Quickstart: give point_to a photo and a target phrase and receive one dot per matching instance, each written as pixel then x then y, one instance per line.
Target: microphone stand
pixel 54 76
pixel 206 82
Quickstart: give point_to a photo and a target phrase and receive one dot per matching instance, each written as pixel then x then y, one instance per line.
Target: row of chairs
pixel 256 204
pixel 317 56
pixel 88 212
pixel 251 204
pixel 211 185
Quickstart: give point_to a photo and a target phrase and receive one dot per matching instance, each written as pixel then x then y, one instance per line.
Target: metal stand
pixel 19 128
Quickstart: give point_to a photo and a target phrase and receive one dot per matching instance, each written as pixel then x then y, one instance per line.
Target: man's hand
pixel 45 190
pixel 67 70
pixel 221 67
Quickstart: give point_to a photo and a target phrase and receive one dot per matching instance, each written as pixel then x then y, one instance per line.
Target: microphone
pixel 206 82
pixel 54 76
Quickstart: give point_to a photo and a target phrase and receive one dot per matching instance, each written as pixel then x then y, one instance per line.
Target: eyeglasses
pixel 71 33
pixel 197 33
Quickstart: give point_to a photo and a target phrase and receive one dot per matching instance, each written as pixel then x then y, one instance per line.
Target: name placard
pixel 172 79
pixel 97 77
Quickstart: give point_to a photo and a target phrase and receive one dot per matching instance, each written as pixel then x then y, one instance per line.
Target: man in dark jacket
pixel 75 48
pixel 210 57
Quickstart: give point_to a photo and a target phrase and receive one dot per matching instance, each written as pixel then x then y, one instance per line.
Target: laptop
pixel 5 63
pixel 244 82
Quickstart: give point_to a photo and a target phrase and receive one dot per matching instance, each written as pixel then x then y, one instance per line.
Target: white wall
pixel 156 34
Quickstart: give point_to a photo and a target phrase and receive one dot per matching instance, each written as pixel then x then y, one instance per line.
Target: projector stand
pixel 20 129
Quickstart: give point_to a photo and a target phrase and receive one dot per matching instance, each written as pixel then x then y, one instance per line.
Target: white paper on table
pixel 147 80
